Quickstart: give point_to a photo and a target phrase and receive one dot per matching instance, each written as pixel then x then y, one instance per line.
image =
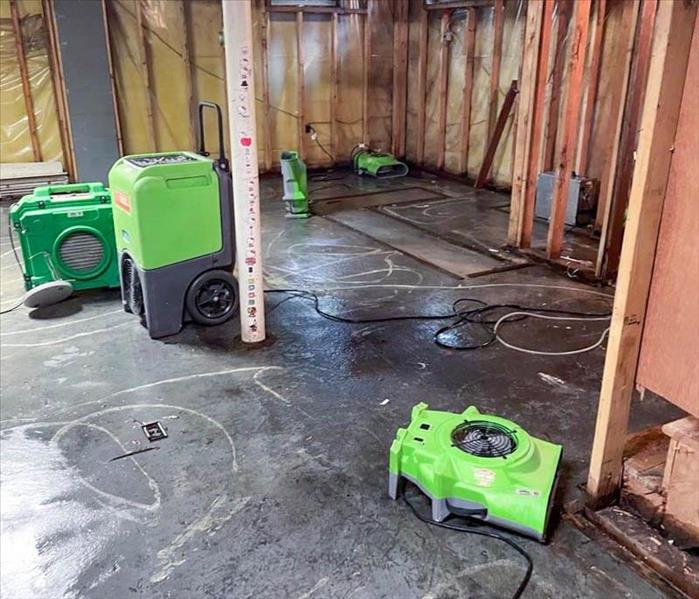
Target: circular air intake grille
pixel 81 252
pixel 484 439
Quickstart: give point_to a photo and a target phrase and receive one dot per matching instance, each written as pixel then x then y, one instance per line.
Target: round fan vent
pixel 81 252
pixel 484 439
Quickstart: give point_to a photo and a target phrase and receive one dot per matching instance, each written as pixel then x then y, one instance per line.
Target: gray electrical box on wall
pixel 83 46
pixel 582 199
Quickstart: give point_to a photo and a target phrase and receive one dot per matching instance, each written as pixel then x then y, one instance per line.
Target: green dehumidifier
pixel 173 221
pixel 66 237
pixel 477 465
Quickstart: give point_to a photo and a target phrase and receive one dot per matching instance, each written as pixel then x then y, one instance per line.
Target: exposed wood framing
pixel 525 117
pixel 469 49
pixel 366 61
pixel 498 27
pixel 674 27
pixel 497 134
pixel 566 154
pixel 443 83
pixel 300 85
pixel 335 85
pixel 458 4
pixel 317 9
pixel 400 77
pixel 59 88
pixel 144 55
pixel 597 37
pixel 112 82
pixel 421 85
pixel 564 8
pixel 185 13
pixel 266 133
pixel 613 225
pixel 24 75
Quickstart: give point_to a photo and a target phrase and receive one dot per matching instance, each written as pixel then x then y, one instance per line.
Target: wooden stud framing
pixel 317 9
pixel 400 77
pixel 566 154
pixel 112 82
pixel 497 134
pixel 300 85
pixel 421 86
pixel 498 27
pixel 597 36
pixel 366 60
pixel 613 225
pixel 144 51
pixel 525 117
pixel 24 75
pixel 264 43
pixel 468 4
pixel 183 8
pixel 564 9
pixel 674 28
pixel 335 85
pixel 469 48
pixel 443 79
pixel 59 88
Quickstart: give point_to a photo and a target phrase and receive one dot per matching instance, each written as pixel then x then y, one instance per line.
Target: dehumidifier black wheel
pixel 212 297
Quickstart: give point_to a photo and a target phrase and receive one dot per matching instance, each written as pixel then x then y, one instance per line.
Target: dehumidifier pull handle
pixel 222 160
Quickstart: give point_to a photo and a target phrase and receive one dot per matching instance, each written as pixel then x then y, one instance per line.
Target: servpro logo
pixel 123 201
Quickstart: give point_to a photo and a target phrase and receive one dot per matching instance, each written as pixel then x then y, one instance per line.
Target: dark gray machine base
pixel 165 289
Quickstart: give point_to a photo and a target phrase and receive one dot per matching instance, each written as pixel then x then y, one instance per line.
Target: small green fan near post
pixel 477 465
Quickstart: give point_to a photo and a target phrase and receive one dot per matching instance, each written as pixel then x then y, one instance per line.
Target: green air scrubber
pixel 477 465
pixel 67 240
pixel 173 220
pixel 295 185
pixel 376 164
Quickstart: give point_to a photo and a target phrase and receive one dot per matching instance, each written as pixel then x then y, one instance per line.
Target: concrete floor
pixel 272 482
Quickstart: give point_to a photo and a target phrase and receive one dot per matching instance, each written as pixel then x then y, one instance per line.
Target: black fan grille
pixel 484 439
pixel 81 252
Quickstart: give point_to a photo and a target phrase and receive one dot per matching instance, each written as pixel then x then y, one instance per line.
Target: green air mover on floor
pixel 173 220
pixel 376 164
pixel 477 465
pixel 67 241
pixel 295 185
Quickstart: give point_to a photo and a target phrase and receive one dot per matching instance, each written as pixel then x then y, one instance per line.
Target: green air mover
pixel 376 164
pixel 67 240
pixel 476 465
pixel 295 185
pixel 173 220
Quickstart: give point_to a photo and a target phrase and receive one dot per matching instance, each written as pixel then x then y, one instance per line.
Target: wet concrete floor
pixel 272 481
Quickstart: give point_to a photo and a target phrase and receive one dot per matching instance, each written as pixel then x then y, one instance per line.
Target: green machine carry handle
pixel 72 188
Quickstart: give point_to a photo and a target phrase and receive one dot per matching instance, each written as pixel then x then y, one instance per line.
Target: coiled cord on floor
pixel 483 533
pixel 481 316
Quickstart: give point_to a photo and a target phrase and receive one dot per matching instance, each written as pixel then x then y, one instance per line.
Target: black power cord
pixel 480 317
pixel 476 530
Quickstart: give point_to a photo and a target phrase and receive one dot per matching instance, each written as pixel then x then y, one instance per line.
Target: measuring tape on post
pixel 237 29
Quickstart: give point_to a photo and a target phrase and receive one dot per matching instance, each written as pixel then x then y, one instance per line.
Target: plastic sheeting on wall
pixel 15 139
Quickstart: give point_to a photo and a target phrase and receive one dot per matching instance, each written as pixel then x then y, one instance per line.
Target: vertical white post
pixel 237 33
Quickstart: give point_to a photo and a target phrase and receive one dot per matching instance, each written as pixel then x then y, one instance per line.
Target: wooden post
pixel 469 49
pixel 498 26
pixel 366 59
pixel 143 48
pixel 609 247
pixel 400 77
pixel 24 75
pixel 482 178
pixel 443 79
pixel 566 155
pixel 525 118
pixel 185 14
pixel 264 44
pixel 421 86
pixel 335 85
pixel 59 87
pixel 564 9
pixel 675 22
pixel 301 96
pixel 592 86
pixel 240 81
